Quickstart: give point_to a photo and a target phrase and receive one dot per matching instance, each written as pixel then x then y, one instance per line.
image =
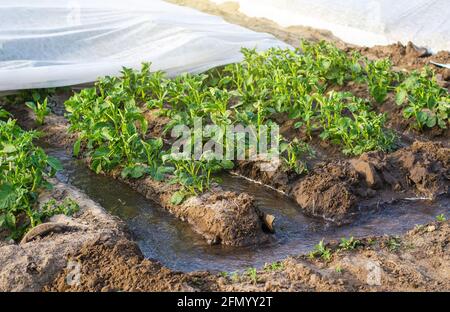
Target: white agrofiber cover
pixel 50 43
pixel 367 23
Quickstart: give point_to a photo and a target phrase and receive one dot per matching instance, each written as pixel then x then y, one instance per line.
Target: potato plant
pixel 424 101
pixel 23 172
pixel 380 78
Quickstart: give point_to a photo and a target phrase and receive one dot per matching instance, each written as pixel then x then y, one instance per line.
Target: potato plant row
pixel 297 83
pixel 24 168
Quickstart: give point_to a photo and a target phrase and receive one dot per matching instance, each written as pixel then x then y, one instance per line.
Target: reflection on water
pixel 172 242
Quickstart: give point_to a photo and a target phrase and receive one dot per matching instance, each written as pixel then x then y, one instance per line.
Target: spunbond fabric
pixel 55 43
pixel 361 22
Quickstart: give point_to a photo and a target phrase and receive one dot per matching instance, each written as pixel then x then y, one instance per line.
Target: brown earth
pixel 417 261
pixel 96 253
pixel 337 189
pixel 410 57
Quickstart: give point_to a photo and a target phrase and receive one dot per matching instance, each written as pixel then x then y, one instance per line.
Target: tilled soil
pixel 417 261
pixel 336 189
pixel 230 13
pixel 92 251
pixel 45 251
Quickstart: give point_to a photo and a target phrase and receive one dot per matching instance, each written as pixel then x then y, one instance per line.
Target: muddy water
pixel 172 242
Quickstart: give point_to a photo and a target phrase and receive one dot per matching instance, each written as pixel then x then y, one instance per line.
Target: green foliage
pixel 349 244
pixel 380 77
pixel 252 273
pixel 295 153
pixel 348 121
pixel 113 129
pixel 4 114
pixel 427 103
pixel 441 218
pixel 321 251
pixel 23 169
pixel 274 266
pixel 51 208
pixel 40 109
pixel 112 126
pixel 330 63
pixel 285 81
pixel 194 176
pixel 393 243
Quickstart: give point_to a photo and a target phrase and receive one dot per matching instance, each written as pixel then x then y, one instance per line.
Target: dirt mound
pixel 334 189
pixel 329 191
pixel 221 217
pixel 409 57
pixel 417 261
pixel 117 265
pixel 423 167
pixel 38 259
pixel 254 170
pixel 226 217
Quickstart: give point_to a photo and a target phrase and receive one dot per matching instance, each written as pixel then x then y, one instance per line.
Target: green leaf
pixel 134 172
pixel 7 196
pixel 422 117
pixel 76 148
pixel 431 121
pixel 9 148
pixel 54 163
pixel 400 97
pixel 8 220
pixel 298 124
pixel 177 198
pixel 227 164
pixel 31 105
pixel 408 112
pixel 106 134
pixel 4 113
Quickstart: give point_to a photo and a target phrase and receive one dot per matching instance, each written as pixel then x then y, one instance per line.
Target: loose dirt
pixel 42 254
pixel 417 261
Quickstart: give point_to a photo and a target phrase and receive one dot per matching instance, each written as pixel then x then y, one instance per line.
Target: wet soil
pixel 186 250
pixel 96 253
pixel 419 261
pixel 45 250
